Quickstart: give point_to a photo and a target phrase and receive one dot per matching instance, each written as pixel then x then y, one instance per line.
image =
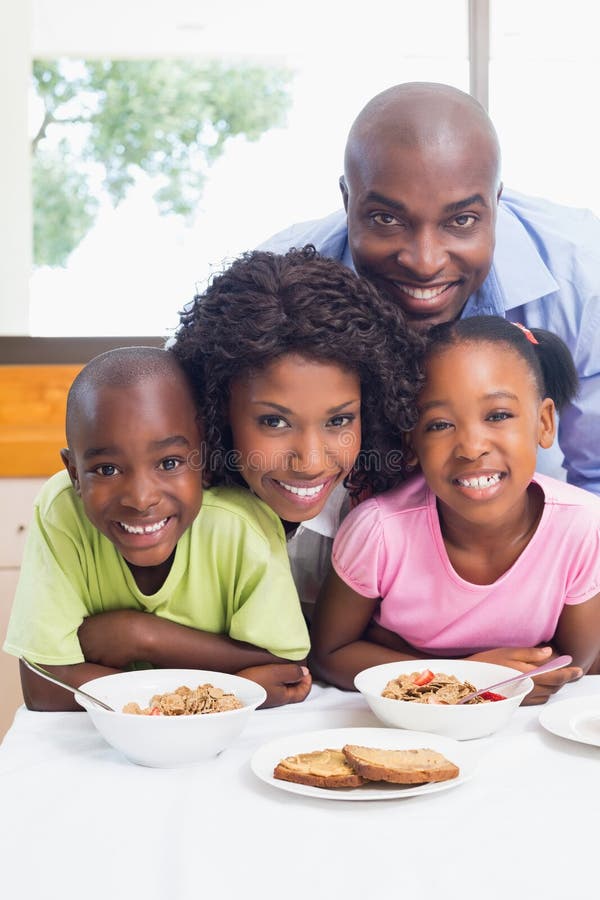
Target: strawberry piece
pixel 155 711
pixel 490 695
pixel 424 678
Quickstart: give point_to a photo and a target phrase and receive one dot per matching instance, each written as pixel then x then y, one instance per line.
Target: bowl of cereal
pixel 423 695
pixel 166 718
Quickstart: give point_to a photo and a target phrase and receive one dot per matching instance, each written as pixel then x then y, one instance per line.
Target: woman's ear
pixel 547 423
pixel 69 464
pixel 411 460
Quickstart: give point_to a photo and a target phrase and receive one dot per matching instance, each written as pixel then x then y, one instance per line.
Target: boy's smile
pixel 131 461
pixel 296 432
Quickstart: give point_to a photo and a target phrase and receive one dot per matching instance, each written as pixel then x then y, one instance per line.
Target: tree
pixel 105 121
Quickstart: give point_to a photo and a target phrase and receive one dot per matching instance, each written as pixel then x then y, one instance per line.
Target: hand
pixel 112 638
pixel 526 658
pixel 283 682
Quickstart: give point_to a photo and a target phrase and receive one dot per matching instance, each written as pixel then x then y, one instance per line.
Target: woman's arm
pixel 339 651
pixel 121 637
pixel 43 696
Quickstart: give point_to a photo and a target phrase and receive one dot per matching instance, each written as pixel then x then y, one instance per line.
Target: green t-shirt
pixel 230 575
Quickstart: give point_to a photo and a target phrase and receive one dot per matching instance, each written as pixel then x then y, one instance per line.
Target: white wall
pixel 15 180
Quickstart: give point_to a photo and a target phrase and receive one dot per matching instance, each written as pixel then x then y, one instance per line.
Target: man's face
pixel 421 224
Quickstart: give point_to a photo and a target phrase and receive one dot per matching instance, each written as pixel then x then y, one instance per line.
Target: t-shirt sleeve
pixel 49 605
pixel 267 610
pixel 358 550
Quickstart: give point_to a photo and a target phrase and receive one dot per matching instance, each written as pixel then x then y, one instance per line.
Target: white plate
pixel 266 758
pixel 577 719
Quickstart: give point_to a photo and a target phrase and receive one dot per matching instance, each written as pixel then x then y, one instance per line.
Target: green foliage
pixel 169 119
pixel 65 210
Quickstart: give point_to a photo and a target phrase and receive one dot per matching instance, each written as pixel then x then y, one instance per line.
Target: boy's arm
pixel 43 696
pixel 124 636
pixel 339 651
pixel 120 637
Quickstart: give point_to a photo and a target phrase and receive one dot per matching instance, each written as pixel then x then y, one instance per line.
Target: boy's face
pixel 421 224
pixel 135 462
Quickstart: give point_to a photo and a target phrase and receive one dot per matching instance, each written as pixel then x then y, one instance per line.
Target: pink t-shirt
pixel 391 547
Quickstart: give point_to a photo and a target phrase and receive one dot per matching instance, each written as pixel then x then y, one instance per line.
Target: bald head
pixel 421 190
pixel 430 117
pixel 121 368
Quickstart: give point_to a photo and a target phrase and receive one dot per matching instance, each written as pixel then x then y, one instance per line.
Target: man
pixel 426 220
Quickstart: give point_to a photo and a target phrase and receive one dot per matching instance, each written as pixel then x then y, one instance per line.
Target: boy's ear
pixel 69 464
pixel 547 423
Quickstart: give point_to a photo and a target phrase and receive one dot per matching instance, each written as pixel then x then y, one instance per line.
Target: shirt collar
pixel 518 274
pixel 328 520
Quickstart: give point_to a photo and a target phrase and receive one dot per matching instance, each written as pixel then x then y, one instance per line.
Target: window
pixel 134 270
pixel 544 72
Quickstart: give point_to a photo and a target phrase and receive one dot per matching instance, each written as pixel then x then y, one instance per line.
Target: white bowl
pixel 458 722
pixel 168 741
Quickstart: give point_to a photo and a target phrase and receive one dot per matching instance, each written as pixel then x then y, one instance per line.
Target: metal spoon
pixel 550 666
pixel 63 684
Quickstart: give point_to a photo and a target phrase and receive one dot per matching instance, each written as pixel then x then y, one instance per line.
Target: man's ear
pixel 69 464
pixel 344 190
pixel 547 423
pixel 499 194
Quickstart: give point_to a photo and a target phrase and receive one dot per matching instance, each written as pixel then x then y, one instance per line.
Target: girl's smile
pixel 481 421
pixel 296 430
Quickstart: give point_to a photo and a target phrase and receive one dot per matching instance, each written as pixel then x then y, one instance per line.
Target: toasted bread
pixel 321 768
pixel 400 766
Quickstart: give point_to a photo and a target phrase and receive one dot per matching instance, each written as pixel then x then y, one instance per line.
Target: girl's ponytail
pixel 558 369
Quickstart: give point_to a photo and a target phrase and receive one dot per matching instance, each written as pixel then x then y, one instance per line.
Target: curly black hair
pixel 266 305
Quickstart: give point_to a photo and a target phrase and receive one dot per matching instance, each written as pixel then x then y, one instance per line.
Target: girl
pixel 299 363
pixel 476 556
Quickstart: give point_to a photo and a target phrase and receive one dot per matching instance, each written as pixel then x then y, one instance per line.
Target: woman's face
pixel 296 432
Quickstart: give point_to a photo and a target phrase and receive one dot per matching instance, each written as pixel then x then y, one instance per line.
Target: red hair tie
pixel 530 337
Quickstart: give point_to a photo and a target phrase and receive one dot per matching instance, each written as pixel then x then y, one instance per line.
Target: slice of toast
pixel 321 768
pixel 400 766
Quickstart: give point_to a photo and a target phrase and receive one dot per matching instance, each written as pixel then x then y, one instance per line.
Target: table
pixel 77 821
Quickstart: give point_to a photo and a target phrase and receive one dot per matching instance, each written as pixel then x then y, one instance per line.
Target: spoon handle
pixel 43 673
pixel 550 666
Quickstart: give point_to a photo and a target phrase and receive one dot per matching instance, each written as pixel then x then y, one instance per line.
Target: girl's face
pixel 480 423
pixel 296 430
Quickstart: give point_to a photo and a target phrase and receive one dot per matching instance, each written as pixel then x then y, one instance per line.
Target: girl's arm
pixel 578 632
pixel 338 651
pixel 120 637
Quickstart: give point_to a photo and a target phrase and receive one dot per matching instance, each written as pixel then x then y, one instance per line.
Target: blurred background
pixel 152 142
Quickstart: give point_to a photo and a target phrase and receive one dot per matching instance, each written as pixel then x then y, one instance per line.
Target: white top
pixel 309 547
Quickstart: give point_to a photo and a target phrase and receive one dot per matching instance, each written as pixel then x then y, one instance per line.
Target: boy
pixel 126 564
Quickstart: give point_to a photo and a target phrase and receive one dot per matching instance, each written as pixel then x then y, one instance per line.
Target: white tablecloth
pixel 78 822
